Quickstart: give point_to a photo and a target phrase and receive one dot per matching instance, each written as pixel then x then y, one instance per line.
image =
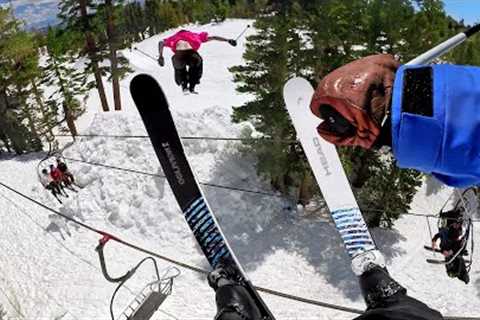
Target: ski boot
pixel 233 300
pixel 375 282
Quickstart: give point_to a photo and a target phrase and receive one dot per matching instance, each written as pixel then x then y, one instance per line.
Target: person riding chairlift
pixel 57 177
pixel 451 242
pixel 47 181
pixel 67 177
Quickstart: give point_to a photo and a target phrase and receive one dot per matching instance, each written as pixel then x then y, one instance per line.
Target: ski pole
pixel 444 47
pixel 241 33
pixel 144 53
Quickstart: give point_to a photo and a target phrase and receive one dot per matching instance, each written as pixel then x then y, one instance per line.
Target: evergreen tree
pixel 381 34
pixel 382 190
pixel 324 36
pixel 16 60
pixel 133 22
pixel 153 21
pixel 69 83
pixel 271 58
pixel 427 28
pixel 79 15
pixel 109 21
pixel 23 53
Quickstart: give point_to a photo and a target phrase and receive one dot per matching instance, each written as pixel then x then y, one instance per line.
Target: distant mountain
pixel 36 14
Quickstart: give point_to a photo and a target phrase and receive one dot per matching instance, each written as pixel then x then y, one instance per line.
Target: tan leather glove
pixel 354 100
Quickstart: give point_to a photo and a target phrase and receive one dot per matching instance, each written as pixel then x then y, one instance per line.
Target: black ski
pixel 153 108
pixel 431 249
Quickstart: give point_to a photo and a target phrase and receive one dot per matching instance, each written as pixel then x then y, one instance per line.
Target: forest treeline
pixel 312 38
pixel 45 78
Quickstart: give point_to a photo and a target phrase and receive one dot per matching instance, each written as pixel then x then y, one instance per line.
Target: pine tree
pixel 428 27
pixel 79 16
pixel 153 21
pixel 69 83
pixel 114 42
pixel 271 58
pixel 16 60
pixel 133 22
pixel 25 57
pixel 342 32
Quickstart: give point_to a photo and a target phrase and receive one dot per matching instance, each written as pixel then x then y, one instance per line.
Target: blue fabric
pixel 447 144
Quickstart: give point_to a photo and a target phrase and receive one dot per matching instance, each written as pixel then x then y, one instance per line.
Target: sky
pixel 469 10
pixel 40 13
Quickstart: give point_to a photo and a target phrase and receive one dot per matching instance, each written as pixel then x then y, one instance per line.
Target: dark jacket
pixel 401 307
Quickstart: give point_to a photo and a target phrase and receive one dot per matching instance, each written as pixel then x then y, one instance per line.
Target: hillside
pixel 49 268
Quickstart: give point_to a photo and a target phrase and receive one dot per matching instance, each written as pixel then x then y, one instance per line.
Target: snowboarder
pixel 451 243
pixel 67 177
pixel 48 183
pixel 385 298
pixel 428 114
pixel 185 45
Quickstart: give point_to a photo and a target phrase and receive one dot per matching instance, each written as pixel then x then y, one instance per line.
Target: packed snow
pixel 49 268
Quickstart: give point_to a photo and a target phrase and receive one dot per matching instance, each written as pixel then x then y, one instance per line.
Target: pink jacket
pixel 194 39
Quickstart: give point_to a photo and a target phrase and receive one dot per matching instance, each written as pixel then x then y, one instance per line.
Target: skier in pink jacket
pixel 185 45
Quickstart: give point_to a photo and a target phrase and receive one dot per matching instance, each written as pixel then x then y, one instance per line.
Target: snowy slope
pixel 49 269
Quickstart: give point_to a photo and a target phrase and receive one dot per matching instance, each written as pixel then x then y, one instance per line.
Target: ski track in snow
pixel 49 268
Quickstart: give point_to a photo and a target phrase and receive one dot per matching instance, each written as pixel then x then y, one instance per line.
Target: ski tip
pixel 297 84
pixel 140 80
pixel 146 92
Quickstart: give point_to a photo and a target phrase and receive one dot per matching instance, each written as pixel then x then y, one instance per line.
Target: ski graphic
pixel 327 168
pixel 154 111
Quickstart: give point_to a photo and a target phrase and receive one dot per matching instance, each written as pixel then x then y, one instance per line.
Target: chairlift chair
pixel 149 299
pixel 463 211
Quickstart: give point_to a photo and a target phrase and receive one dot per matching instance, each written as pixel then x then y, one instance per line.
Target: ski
pixel 154 111
pixel 428 248
pixel 327 169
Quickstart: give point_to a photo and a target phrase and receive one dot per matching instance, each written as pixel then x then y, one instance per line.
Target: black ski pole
pixel 241 33
pixel 445 46
pixel 145 54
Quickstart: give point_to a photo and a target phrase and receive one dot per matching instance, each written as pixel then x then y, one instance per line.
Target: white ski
pixel 327 168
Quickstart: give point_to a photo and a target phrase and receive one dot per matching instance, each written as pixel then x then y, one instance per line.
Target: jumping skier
pixel 428 114
pixel 386 299
pixel 451 243
pixel 186 60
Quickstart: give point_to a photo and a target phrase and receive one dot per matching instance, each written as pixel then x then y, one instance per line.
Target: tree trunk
pixel 4 138
pixel 70 120
pixel 43 109
pixel 92 51
pixel 305 189
pixel 113 55
pixel 67 99
pixel 3 111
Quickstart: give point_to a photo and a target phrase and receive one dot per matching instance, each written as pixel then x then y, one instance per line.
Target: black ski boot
pixel 377 285
pixel 233 300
